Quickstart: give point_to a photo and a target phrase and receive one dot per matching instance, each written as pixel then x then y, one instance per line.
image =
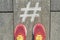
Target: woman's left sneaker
pixel 20 32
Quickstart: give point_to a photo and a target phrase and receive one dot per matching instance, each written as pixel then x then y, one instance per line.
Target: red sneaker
pixel 39 32
pixel 20 32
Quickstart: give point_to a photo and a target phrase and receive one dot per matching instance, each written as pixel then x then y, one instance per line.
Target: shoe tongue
pixel 39 37
pixel 19 37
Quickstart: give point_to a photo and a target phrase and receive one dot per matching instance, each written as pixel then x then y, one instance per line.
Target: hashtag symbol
pixel 27 9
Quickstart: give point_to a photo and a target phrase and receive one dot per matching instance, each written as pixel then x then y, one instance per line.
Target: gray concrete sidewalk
pixel 9 18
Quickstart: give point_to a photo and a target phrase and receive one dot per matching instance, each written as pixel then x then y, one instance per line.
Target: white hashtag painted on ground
pixel 27 9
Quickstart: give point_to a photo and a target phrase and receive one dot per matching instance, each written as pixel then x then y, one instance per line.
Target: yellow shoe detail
pixel 39 37
pixel 19 37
